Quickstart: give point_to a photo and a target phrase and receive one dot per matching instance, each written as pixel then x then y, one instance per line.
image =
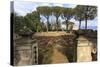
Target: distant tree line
pixel 32 20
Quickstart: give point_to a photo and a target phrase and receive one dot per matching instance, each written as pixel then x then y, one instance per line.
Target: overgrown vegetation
pixel 82 31
pixel 45 54
pixel 33 20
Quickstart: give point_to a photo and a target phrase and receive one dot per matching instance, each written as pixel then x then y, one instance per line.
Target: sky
pixel 24 7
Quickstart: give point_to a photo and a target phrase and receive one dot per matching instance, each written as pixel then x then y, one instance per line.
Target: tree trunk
pixel 41 26
pixel 57 24
pixel 85 23
pixel 66 25
pixel 36 27
pixel 79 24
pixel 37 30
pixel 86 17
pixel 48 24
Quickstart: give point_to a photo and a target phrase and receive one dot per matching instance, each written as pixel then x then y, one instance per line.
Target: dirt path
pixel 57 56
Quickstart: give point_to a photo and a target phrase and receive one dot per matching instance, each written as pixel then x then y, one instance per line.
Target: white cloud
pixel 69 5
pixel 61 5
pixel 43 4
pixel 24 7
pixel 72 6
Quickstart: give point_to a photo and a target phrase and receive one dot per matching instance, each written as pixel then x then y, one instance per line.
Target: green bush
pixel 83 31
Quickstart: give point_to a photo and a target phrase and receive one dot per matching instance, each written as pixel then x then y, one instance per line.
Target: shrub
pixel 83 31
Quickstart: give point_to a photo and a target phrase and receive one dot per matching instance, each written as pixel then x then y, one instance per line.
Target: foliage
pixel 18 23
pixel 87 12
pixel 31 21
pixel 78 15
pixel 68 14
pixel 83 31
pixel 45 11
pixel 57 12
